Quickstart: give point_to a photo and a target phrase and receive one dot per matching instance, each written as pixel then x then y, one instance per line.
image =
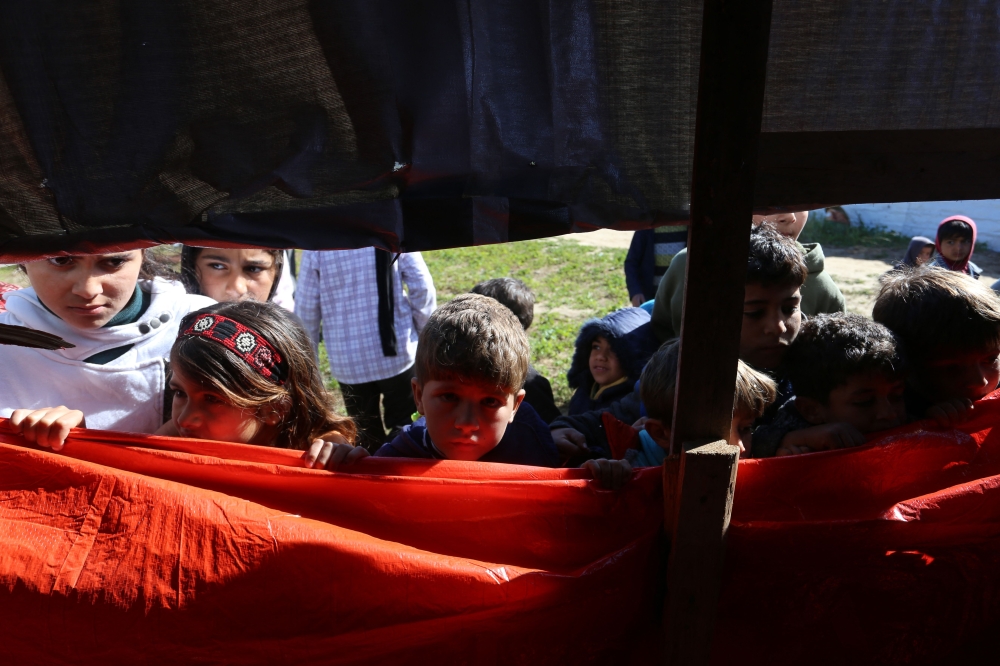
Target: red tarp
pixel 145 550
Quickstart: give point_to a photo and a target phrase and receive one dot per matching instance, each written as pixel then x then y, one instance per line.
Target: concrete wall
pixel 921 218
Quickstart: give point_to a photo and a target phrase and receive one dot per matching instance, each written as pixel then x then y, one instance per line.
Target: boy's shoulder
pixel 408 443
pixel 527 441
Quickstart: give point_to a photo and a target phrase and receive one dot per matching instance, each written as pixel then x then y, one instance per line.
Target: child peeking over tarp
pixel 955 243
pixel 240 372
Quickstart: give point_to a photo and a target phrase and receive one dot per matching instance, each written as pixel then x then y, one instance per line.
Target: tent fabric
pixel 137 548
pixel 289 123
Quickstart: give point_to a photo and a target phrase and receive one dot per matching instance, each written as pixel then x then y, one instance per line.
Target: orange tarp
pixel 135 549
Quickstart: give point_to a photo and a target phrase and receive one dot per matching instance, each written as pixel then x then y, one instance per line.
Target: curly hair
pixel 832 348
pixel 774 259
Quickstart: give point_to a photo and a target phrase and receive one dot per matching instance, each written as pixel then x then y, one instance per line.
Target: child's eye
pixel 865 404
pixel 754 314
pixel 448 397
pixel 212 399
pixel 254 270
pixel 178 393
pixel 492 403
pixel 790 309
pixel 61 261
pixel 114 264
pixel 215 266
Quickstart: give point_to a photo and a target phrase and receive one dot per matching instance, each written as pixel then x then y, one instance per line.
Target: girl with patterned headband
pixel 240 372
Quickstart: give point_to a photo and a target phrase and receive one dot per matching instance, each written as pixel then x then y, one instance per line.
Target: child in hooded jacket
pixel 955 243
pixel 609 357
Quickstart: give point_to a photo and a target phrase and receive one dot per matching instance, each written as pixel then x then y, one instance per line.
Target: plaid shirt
pixel 338 288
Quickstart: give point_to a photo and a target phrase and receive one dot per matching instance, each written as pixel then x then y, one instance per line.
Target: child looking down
pixel 948 326
pixel 609 356
pixel 471 362
pixel 241 372
pixel 848 380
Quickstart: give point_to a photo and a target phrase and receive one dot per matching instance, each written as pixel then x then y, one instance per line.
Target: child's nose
pixel 465 417
pixel 189 417
pixel 88 287
pixel 237 287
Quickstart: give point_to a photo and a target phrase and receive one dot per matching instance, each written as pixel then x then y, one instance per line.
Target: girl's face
pixel 925 255
pixel 235 275
pixel 604 365
pixel 201 413
pixel 88 290
pixel 956 249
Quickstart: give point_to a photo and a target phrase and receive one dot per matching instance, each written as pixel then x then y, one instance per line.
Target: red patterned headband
pixel 245 342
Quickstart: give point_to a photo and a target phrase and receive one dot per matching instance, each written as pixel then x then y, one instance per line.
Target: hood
pixel 812 254
pixel 189 276
pixel 963 265
pixel 917 245
pixel 24 309
pixel 630 332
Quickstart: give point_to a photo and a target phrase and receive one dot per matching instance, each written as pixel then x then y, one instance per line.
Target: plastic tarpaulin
pixel 141 549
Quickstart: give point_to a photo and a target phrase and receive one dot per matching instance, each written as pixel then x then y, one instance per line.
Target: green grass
pixel 833 234
pixel 572 283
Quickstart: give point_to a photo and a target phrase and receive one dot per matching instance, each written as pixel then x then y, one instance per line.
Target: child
pixel 819 293
pixel 956 240
pixel 521 301
pixel 848 379
pixel 471 362
pixel 609 356
pixel 231 275
pixel 122 328
pixel 755 391
pixel 919 252
pixel 948 327
pixel 241 372
pixel 771 320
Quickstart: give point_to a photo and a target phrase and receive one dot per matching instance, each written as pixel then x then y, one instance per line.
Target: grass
pixel 833 234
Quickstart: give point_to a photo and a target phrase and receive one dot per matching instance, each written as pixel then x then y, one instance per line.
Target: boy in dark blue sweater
pixel 472 361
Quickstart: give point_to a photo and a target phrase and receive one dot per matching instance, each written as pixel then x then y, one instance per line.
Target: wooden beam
pixel 694 574
pixel 730 99
pixel 806 170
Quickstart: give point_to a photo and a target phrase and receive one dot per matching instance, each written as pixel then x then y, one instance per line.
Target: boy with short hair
pixel 948 326
pixel 956 240
pixel 771 320
pixel 848 380
pixel 471 362
pixel 521 301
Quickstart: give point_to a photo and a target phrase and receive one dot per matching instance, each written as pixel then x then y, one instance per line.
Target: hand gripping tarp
pixel 135 549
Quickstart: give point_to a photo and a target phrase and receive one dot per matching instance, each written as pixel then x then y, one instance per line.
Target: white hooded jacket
pixel 125 394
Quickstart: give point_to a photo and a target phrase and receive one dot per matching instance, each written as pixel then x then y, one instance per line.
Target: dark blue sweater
pixel 527 441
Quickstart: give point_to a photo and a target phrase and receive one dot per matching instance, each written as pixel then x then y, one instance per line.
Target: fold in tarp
pixel 127 548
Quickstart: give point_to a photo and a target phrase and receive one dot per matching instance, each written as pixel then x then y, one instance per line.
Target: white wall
pixel 921 218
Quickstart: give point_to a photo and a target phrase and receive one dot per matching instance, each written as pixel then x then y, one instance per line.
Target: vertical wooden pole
pixel 730 101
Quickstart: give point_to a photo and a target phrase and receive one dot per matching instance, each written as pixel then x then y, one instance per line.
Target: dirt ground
pixel 855 270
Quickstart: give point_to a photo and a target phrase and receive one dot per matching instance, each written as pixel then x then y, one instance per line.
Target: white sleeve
pixel 419 286
pixel 307 305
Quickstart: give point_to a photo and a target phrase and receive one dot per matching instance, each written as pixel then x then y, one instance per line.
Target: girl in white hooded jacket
pixel 122 328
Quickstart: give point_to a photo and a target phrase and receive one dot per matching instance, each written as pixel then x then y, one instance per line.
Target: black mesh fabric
pixel 419 125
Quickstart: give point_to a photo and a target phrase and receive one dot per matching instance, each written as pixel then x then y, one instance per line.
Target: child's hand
pixel 950 413
pixel 323 454
pixel 48 427
pixel 569 443
pixel 640 424
pixel 820 438
pixel 610 474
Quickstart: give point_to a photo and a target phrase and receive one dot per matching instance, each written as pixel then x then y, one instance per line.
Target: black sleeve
pixel 627 410
pixel 538 394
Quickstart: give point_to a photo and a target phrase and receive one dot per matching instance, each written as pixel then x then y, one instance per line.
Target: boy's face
pixel 740 433
pixel 971 374
pixel 956 248
pixel 925 255
pixel 465 420
pixel 787 224
pixel 871 402
pixel 771 320
pixel 604 365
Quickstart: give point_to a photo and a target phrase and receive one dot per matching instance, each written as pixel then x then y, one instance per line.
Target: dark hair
pixel 189 268
pixel 309 405
pixel 832 348
pixel 774 259
pixel 933 311
pixel 954 229
pixel 514 294
pixel 473 337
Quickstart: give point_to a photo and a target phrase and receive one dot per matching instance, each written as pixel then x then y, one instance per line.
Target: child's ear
pixel 418 394
pixel 660 432
pixel 275 412
pixel 812 410
pixel 518 399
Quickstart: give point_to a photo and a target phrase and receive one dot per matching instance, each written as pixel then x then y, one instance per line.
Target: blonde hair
pixel 755 391
pixel 476 338
pixel 308 405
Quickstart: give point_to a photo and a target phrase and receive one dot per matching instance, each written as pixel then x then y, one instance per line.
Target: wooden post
pixel 730 100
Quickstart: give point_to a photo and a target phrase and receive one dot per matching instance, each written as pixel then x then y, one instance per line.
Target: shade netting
pixel 126 548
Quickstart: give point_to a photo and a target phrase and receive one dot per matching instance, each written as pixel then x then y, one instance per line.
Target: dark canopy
pixel 419 125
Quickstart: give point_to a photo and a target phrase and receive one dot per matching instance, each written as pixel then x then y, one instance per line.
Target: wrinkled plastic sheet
pixel 126 548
